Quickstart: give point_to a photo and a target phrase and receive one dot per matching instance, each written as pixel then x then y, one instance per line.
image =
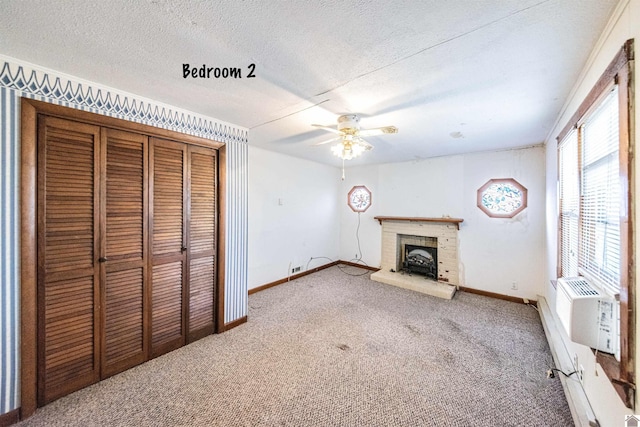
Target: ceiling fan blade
pixel 327 141
pixel 364 143
pixel 330 129
pixel 378 131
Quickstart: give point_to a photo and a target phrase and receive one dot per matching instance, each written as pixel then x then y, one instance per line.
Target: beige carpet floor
pixel 334 350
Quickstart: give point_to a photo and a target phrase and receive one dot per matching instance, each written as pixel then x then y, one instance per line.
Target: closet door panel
pixel 168 245
pixel 168 198
pixel 68 275
pixel 124 197
pixel 124 344
pixel 202 240
pixel 201 295
pixel 167 304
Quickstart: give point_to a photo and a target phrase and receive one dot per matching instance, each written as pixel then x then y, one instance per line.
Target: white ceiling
pixel 454 76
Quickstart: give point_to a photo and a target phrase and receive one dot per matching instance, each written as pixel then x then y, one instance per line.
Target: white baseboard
pixel 581 410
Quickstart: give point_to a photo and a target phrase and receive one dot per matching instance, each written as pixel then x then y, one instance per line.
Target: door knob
pixel 184 248
pixel 102 259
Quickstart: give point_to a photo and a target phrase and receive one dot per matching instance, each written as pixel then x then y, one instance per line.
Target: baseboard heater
pixel 579 405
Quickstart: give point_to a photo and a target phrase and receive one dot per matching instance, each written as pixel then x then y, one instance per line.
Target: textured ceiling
pixel 454 76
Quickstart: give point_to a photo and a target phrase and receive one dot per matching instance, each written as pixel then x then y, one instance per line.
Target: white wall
pixel 494 252
pixel 369 231
pixel 625 24
pixel 304 225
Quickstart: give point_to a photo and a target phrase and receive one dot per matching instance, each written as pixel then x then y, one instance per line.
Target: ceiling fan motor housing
pixel 348 121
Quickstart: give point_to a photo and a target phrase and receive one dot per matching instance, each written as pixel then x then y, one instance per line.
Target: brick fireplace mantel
pixel 455 221
pixel 444 229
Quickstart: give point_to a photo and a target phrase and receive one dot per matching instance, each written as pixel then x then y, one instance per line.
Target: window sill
pixel 611 368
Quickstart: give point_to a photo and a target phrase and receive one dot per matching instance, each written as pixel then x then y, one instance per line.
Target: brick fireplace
pixel 400 233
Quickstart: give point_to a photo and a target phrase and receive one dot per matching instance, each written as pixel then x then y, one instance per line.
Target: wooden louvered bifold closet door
pixel 126 250
pixel 202 243
pixel 168 245
pixel 124 196
pixel 68 272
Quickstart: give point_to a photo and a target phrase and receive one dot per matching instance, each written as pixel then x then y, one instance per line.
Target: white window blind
pixel 599 257
pixel 594 229
pixel 569 192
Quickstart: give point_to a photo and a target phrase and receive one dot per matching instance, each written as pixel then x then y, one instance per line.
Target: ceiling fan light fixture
pixel 342 150
pixel 351 144
pixel 357 149
pixel 348 150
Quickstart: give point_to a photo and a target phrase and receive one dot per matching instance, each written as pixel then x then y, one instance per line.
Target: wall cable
pixel 551 373
pixel 342 267
pixel 358 238
pixel 356 260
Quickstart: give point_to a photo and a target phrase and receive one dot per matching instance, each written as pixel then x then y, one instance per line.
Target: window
pixel 595 205
pixel 359 198
pixel 590 201
pixel 502 198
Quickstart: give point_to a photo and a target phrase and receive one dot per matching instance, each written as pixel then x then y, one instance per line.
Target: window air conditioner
pixel 588 316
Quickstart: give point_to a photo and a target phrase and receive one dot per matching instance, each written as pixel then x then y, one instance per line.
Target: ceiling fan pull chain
pixel 343 168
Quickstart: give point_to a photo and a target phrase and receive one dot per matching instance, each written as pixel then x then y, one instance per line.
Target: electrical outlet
pixel 295 269
pixel 575 362
pixel 581 374
pixel 514 286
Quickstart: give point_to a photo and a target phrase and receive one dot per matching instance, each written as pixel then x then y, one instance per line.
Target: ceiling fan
pixel 350 143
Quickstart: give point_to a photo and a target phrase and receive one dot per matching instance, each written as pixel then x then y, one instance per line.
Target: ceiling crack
pixel 291 114
pixel 434 46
